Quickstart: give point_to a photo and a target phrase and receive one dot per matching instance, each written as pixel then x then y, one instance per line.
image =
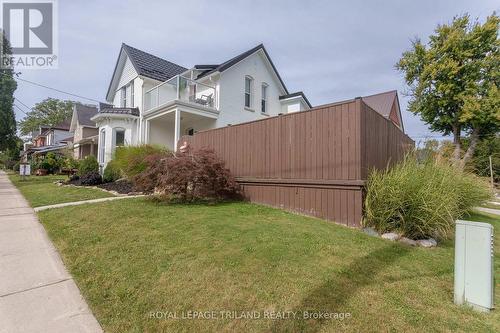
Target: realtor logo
pixel 30 29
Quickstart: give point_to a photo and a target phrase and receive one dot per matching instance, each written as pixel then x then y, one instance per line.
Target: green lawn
pixel 41 190
pixel 131 258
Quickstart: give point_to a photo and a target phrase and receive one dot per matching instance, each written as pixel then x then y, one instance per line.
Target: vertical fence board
pixel 312 162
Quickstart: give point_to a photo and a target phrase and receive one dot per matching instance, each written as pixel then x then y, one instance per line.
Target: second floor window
pixel 263 103
pixel 131 84
pixel 127 95
pixel 123 97
pixel 248 92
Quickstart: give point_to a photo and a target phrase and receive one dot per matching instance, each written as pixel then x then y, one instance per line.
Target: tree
pixel 453 81
pixel 480 161
pixel 10 157
pixel 7 117
pixel 49 112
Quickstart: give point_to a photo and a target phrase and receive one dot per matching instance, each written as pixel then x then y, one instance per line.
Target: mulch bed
pixel 120 186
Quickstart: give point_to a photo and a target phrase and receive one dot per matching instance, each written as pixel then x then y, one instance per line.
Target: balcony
pixel 181 89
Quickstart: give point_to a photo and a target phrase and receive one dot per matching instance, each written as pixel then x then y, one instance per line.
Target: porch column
pixel 91 147
pixel 177 130
pixel 146 131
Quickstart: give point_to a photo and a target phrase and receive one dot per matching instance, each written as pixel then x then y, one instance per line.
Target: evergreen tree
pixel 8 85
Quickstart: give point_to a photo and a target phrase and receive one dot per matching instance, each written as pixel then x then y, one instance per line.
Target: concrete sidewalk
pixel 37 294
pixel 85 202
pixel 489 210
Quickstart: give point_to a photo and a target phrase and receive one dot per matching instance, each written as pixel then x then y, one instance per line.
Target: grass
pixel 41 190
pixel 131 258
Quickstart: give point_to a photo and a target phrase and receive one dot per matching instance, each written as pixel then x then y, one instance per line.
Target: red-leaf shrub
pixel 155 165
pixel 187 177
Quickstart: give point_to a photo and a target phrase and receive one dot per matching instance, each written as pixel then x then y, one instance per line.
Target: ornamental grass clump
pixel 421 199
pixel 131 160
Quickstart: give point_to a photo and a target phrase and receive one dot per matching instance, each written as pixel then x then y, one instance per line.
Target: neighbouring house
pixel 387 104
pixel 152 100
pixel 84 130
pixel 49 139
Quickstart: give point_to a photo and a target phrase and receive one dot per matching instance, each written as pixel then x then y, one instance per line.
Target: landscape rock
pixel 408 241
pixel 370 231
pixel 392 236
pixel 431 242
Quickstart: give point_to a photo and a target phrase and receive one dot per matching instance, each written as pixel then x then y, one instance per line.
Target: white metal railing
pixel 182 89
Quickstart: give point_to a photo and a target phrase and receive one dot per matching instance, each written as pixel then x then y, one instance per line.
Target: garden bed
pixel 121 186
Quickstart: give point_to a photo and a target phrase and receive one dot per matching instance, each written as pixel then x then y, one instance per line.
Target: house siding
pixel 232 91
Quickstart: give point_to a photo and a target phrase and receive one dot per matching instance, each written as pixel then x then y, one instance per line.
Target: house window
pixel 131 94
pixel 102 144
pixel 123 97
pixel 263 101
pixel 119 137
pixel 248 91
pixel 190 131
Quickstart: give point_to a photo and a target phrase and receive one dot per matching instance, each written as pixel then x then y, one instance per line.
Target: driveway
pixel 37 294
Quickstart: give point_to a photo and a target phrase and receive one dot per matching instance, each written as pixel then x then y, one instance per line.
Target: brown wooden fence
pixel 313 162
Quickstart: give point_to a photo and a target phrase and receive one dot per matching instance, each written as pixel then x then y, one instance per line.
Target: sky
pixel 330 50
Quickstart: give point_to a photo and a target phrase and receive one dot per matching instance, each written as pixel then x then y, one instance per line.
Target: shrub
pixel 149 179
pixel 52 162
pixel 131 159
pixel 421 199
pixel 111 173
pixel 188 177
pixel 87 165
pixel 91 178
pixel 70 163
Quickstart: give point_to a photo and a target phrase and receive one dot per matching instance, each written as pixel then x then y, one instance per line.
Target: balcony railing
pixel 181 89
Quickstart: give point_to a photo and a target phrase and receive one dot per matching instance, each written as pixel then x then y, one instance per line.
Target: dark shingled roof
pixel 84 113
pixel 152 66
pixel 233 61
pixel 63 125
pixel 129 111
pixel 295 94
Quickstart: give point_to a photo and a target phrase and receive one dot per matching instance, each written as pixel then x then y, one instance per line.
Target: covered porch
pixel 85 147
pixel 166 127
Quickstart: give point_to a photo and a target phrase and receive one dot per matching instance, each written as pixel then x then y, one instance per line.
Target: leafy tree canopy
pixel 453 80
pixel 49 112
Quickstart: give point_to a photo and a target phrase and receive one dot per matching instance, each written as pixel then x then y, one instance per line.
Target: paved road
pixel 37 294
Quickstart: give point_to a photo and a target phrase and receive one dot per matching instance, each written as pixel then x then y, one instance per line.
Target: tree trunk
pixel 474 138
pixel 458 146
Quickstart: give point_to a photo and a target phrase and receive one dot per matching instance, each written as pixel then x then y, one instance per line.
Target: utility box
pixel 474 271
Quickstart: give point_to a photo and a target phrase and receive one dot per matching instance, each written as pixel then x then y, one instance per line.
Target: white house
pixel 152 100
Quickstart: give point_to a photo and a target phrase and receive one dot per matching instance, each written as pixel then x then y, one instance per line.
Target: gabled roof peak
pixel 233 61
pixel 147 64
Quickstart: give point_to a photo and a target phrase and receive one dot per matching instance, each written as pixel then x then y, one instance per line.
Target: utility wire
pixel 58 90
pixel 20 102
pixel 20 109
pixel 51 88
